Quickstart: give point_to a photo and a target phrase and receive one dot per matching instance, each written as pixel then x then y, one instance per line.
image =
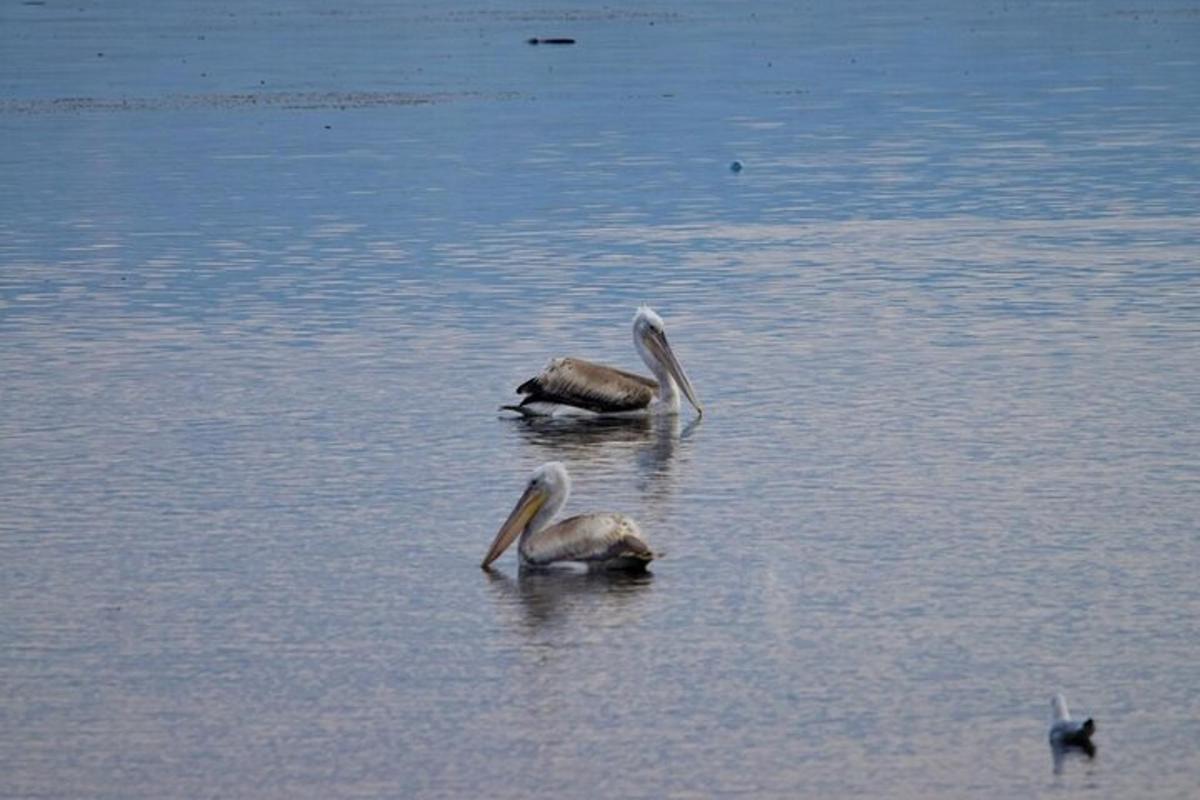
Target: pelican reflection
pixel 653 443
pixel 581 434
pixel 540 598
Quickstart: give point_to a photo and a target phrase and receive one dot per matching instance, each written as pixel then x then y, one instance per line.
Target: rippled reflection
pixel 651 443
pixel 544 598
pixel 578 435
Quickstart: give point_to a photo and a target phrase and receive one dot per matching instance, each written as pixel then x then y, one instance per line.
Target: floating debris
pixel 735 166
pixel 557 40
pixel 339 101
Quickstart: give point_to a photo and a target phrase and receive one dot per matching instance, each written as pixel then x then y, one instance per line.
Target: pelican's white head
pixel 650 339
pixel 552 478
pixel 648 316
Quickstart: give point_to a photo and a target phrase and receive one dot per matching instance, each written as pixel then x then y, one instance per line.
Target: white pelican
pixel 1066 732
pixel 572 385
pixel 602 541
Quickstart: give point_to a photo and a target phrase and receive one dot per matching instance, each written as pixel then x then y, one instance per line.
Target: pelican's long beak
pixel 661 348
pixel 529 504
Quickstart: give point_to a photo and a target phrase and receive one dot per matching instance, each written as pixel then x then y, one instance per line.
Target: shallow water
pixel 267 271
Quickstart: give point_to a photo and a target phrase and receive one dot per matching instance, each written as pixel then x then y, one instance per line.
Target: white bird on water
pixel 603 541
pixel 576 386
pixel 1066 732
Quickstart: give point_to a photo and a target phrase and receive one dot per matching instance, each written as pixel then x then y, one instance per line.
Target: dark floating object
pixel 735 166
pixel 558 40
pixel 1082 737
pixel 1066 733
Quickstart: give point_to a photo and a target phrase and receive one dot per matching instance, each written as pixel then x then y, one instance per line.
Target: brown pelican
pixel 601 541
pixel 572 385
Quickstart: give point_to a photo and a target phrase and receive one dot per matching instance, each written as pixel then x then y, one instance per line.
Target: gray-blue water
pixel 267 270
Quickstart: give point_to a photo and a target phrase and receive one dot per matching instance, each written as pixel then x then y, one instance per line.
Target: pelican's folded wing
pixel 588 537
pixel 583 384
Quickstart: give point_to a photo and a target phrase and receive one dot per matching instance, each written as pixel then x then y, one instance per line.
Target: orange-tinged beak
pixel 529 504
pixel 661 348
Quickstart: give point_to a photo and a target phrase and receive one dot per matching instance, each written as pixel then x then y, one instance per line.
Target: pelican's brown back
pixel 587 385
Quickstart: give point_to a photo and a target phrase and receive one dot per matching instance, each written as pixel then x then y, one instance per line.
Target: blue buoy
pixel 735 166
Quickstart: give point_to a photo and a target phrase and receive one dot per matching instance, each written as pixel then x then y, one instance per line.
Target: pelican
pixel 572 385
pixel 1066 732
pixel 601 541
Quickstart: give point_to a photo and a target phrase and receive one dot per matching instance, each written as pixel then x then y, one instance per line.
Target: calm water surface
pixel 267 270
